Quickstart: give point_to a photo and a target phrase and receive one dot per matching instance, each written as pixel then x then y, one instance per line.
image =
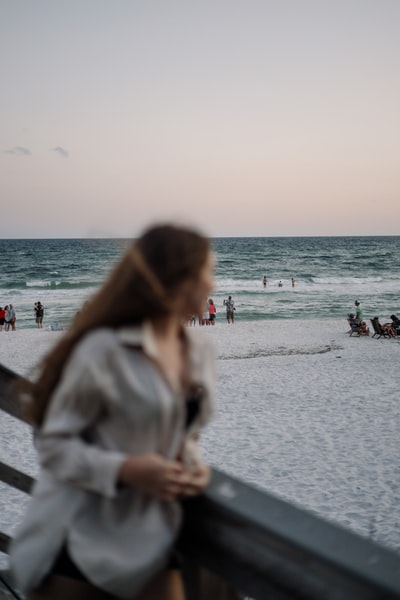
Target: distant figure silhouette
pixel 39 313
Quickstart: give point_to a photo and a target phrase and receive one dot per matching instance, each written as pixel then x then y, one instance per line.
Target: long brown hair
pixel 141 287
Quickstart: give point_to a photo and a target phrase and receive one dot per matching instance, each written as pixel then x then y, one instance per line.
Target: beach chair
pixel 355 327
pixel 396 324
pixel 378 329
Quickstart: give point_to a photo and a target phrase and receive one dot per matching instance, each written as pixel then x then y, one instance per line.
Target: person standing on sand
pixel 2 317
pixel 11 318
pixel 359 313
pixel 230 309
pixel 118 407
pixel 6 319
pixel 39 313
pixel 206 314
pixel 363 329
pixel 212 311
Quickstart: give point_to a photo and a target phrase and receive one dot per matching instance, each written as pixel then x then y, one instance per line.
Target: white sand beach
pixel 303 411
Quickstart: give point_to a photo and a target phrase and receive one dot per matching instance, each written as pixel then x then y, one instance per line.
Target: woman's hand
pixel 164 479
pixel 199 479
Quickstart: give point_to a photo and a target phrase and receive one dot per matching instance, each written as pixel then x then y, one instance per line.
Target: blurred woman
pixel 118 406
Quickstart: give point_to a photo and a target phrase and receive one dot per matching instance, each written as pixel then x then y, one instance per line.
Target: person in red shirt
pixel 212 311
pixel 2 317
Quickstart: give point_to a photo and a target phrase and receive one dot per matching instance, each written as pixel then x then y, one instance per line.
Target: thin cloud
pixel 60 151
pixel 19 151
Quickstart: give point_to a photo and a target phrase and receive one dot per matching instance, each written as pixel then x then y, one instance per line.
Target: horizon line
pixel 116 237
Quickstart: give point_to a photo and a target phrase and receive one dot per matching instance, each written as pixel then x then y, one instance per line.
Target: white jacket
pixel 111 402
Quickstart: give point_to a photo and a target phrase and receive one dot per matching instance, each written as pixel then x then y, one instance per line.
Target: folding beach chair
pixel 355 327
pixel 378 329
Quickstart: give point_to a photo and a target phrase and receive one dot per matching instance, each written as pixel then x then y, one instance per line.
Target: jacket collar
pixel 141 336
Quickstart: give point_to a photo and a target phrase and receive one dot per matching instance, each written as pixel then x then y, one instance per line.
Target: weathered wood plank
pixel 9 404
pixel 4 542
pixel 16 479
pixel 264 545
pixel 7 374
pixel 7 587
pixel 8 401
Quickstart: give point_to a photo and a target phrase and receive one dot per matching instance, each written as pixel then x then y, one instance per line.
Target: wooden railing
pixel 257 544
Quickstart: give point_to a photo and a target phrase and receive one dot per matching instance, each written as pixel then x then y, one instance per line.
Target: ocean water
pixel 330 273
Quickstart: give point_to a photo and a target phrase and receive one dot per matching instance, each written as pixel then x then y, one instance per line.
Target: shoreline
pixel 20 350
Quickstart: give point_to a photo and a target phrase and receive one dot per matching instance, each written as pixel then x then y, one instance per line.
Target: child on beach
pixel 118 406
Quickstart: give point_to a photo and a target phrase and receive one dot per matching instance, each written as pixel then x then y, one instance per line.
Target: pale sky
pixel 248 118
